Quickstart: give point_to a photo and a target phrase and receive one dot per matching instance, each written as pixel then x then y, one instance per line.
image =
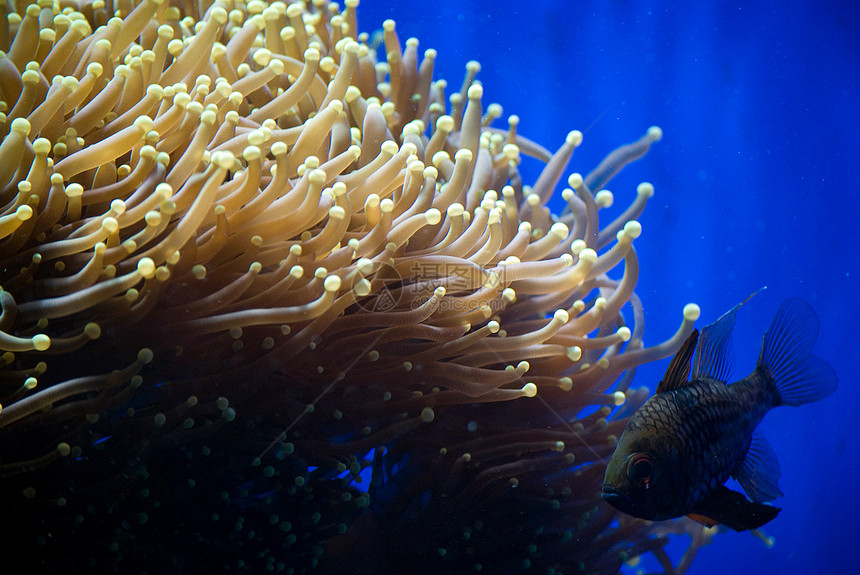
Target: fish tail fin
pixel 786 359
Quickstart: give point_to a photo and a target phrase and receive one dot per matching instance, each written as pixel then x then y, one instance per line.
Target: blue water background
pixel 756 184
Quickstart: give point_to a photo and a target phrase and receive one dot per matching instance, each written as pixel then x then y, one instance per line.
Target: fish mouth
pixel 618 499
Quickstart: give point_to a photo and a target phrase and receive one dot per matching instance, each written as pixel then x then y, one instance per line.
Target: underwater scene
pixel 450 287
pixel 758 106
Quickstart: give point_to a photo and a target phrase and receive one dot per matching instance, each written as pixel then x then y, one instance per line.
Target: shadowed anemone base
pixel 269 304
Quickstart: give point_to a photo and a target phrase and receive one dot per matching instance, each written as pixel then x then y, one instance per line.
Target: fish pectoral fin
pixel 733 510
pixel 759 471
pixel 678 372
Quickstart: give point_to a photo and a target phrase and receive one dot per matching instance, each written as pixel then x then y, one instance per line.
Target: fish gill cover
pixel 273 304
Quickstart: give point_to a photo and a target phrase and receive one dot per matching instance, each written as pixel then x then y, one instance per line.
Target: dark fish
pixel 691 436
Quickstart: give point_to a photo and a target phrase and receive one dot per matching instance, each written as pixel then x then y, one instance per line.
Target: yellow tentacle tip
pixel 41 342
pixel 691 312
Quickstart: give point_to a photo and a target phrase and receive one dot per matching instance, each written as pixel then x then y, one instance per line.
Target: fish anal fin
pixel 678 372
pixel 733 510
pixel 706 521
pixel 758 473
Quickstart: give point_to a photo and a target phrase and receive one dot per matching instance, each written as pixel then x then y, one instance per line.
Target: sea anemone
pixel 269 303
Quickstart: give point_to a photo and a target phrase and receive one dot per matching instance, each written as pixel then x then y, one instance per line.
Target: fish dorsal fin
pixel 732 510
pixel 758 473
pixel 678 372
pixel 714 353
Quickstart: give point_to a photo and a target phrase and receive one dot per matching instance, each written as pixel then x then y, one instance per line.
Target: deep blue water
pixel 756 185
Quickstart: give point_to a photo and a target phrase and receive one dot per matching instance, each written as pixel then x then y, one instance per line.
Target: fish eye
pixel 640 468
